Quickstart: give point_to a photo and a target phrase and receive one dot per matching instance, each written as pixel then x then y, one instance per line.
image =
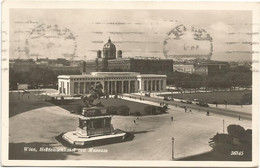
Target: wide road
pixel 226 112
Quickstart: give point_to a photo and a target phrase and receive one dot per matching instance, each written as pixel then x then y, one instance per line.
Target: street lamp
pixel 172 148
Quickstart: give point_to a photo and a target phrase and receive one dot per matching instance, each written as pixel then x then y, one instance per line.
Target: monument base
pixel 73 139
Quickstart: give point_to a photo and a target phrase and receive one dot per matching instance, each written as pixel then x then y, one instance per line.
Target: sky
pixel 78 33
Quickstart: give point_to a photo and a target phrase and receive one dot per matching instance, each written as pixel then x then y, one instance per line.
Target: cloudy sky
pixel 79 33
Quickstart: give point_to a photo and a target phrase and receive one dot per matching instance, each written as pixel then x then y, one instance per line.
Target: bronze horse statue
pixel 94 93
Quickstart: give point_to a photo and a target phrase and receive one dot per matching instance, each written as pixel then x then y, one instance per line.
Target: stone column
pixel 155 85
pixel 141 85
pixel 147 85
pixel 136 86
pixel 84 88
pixel 71 88
pixel 121 87
pixel 129 86
pixel 116 87
pixel 164 84
pixel 109 87
pixel 78 87
pixel 160 85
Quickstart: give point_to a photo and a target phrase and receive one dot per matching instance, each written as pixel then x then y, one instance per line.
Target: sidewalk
pixel 238 108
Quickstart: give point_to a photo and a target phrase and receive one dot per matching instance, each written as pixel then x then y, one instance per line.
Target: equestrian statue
pixel 95 93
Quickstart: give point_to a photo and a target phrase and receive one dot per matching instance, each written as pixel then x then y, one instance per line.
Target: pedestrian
pixel 190 111
pixel 134 122
pixel 185 109
pixel 207 114
pixel 140 98
pixel 171 118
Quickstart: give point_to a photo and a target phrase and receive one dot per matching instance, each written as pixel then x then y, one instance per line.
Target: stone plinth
pixel 94 125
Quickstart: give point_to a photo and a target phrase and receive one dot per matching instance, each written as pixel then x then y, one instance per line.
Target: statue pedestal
pixel 94 125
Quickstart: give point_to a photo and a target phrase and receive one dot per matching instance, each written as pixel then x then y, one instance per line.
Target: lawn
pixel 232 97
pixel 73 105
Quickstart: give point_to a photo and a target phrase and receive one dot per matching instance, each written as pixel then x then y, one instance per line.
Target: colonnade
pixel 109 87
pixel 153 85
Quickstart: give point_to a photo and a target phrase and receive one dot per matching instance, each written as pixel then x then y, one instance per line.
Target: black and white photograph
pixel 118 83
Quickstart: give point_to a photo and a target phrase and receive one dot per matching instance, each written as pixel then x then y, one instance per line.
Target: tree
pixel 123 110
pixel 112 110
pixel 236 131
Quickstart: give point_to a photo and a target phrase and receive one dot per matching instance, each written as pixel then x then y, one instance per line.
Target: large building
pixel 112 62
pixel 201 67
pixel 112 82
pixel 210 67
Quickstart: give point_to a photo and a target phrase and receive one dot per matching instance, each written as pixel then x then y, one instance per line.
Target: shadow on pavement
pixel 19 103
pixel 128 137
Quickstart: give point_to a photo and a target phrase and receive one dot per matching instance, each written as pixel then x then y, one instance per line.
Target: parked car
pixel 202 104
pixel 189 101
pixel 168 98
pixel 147 94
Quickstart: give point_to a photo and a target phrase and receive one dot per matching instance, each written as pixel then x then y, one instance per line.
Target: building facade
pixel 110 62
pixel 185 68
pixel 112 82
pixel 201 67
pixel 210 67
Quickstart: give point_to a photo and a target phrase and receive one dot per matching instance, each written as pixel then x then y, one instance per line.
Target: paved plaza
pixel 36 123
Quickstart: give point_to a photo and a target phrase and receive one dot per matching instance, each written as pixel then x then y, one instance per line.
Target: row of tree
pixel 228 78
pixel 231 78
pixel 36 76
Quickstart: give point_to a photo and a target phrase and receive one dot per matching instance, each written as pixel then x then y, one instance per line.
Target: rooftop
pixel 110 74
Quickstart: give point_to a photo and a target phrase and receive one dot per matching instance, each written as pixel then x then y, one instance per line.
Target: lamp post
pixel 223 126
pixel 172 148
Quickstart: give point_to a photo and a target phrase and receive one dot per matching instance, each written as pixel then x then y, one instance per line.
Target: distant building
pixel 60 65
pixel 110 62
pixel 201 67
pixel 185 68
pixel 210 67
pixel 112 82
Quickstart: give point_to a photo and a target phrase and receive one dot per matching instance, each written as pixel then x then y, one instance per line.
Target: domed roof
pixel 109 45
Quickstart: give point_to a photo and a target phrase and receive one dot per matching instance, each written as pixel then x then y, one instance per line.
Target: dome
pixel 109 45
pixel 109 50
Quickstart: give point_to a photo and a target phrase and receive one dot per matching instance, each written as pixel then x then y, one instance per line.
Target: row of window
pixel 98 79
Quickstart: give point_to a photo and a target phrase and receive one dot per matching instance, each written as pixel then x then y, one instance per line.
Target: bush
pixel 161 110
pixel 97 112
pixel 112 110
pixel 221 143
pixel 123 110
pixel 246 99
pixel 137 113
pixel 236 131
pixel 149 110
pixel 99 104
pixel 79 109
pixel 154 110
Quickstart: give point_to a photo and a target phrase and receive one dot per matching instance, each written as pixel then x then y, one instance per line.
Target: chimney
pixel 84 67
pixel 119 54
pixel 98 54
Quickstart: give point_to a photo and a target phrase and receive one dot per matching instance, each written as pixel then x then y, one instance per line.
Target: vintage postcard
pixel 126 83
